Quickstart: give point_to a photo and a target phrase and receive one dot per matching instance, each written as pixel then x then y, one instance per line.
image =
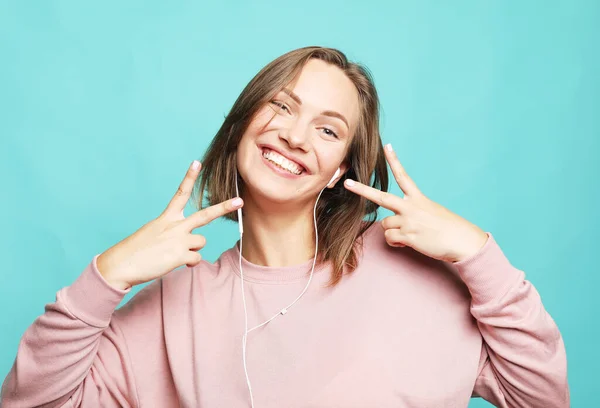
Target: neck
pixel 276 236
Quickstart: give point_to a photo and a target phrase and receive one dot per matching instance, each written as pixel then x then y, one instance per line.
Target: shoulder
pixel 179 285
pixel 174 287
pixel 405 267
pixel 139 320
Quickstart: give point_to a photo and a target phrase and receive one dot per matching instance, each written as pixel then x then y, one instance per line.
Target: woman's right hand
pixel 163 244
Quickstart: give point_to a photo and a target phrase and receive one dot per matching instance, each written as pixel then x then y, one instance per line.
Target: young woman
pixel 419 310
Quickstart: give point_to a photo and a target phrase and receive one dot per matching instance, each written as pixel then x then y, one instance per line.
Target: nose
pixel 296 135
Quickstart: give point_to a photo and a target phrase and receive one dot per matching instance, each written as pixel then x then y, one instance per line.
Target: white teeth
pixel 282 161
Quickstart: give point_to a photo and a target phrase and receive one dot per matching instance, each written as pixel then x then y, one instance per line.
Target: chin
pixel 270 190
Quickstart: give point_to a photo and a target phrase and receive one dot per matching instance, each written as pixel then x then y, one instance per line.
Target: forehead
pixel 323 86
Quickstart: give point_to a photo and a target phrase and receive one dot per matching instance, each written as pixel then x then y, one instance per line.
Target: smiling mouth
pixel 282 162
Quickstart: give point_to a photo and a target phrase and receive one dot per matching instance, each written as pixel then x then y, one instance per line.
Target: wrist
pixel 472 246
pixel 102 264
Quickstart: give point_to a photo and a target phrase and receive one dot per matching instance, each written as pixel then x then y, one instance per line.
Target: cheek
pixel 261 120
pixel 255 128
pixel 245 150
pixel 329 155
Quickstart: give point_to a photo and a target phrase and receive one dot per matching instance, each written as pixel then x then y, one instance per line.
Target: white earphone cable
pixel 244 337
pixel 285 309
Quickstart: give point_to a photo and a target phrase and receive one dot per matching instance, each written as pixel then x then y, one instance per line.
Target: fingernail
pixel 388 147
pixel 350 183
pixel 237 202
pixel 195 164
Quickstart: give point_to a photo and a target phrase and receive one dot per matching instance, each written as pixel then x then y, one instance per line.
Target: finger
pixel 386 200
pixel 192 258
pixel 406 184
pixel 209 214
pixel 395 238
pixel 182 195
pixel 393 222
pixel 196 242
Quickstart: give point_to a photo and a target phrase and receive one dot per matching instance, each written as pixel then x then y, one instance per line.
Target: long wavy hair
pixel 342 216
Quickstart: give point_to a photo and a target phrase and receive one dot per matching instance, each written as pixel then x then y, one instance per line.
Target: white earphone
pixel 285 309
pixel 337 173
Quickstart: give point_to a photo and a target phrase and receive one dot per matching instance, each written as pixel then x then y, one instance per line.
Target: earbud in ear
pixel 337 173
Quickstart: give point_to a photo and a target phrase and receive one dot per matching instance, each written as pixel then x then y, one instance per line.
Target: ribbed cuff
pixel 90 298
pixel 488 274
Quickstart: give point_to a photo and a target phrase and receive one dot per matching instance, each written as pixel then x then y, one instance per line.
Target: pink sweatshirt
pixel 403 330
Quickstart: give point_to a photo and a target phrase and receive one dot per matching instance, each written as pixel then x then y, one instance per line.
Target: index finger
pixel 209 214
pixel 386 200
pixel 406 184
pixel 181 197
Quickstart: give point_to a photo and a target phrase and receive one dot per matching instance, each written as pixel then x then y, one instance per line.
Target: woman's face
pixel 295 143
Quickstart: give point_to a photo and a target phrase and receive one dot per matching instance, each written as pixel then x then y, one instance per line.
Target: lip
pixel 305 170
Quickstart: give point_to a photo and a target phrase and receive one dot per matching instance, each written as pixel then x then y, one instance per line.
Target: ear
pixel 343 169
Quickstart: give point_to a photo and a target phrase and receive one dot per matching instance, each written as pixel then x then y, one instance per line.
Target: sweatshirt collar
pixel 271 274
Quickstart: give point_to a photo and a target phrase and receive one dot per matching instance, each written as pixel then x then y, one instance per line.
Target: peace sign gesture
pixel 419 222
pixel 165 243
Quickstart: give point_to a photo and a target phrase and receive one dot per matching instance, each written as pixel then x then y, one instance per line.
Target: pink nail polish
pixel 237 202
pixel 195 164
pixel 388 147
pixel 350 183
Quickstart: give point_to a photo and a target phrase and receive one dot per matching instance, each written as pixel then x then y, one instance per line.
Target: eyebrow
pixel 330 113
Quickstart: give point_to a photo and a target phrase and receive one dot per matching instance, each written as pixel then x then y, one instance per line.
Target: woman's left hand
pixel 419 222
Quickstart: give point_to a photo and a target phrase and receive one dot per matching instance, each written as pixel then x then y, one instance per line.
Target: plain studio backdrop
pixel 492 106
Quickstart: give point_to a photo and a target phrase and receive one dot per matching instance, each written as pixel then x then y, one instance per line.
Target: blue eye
pixel 330 132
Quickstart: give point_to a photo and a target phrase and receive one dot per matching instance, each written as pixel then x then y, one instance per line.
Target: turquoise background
pixel 492 106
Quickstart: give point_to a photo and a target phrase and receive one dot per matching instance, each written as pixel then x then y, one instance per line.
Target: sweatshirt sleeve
pixel 73 355
pixel 523 360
